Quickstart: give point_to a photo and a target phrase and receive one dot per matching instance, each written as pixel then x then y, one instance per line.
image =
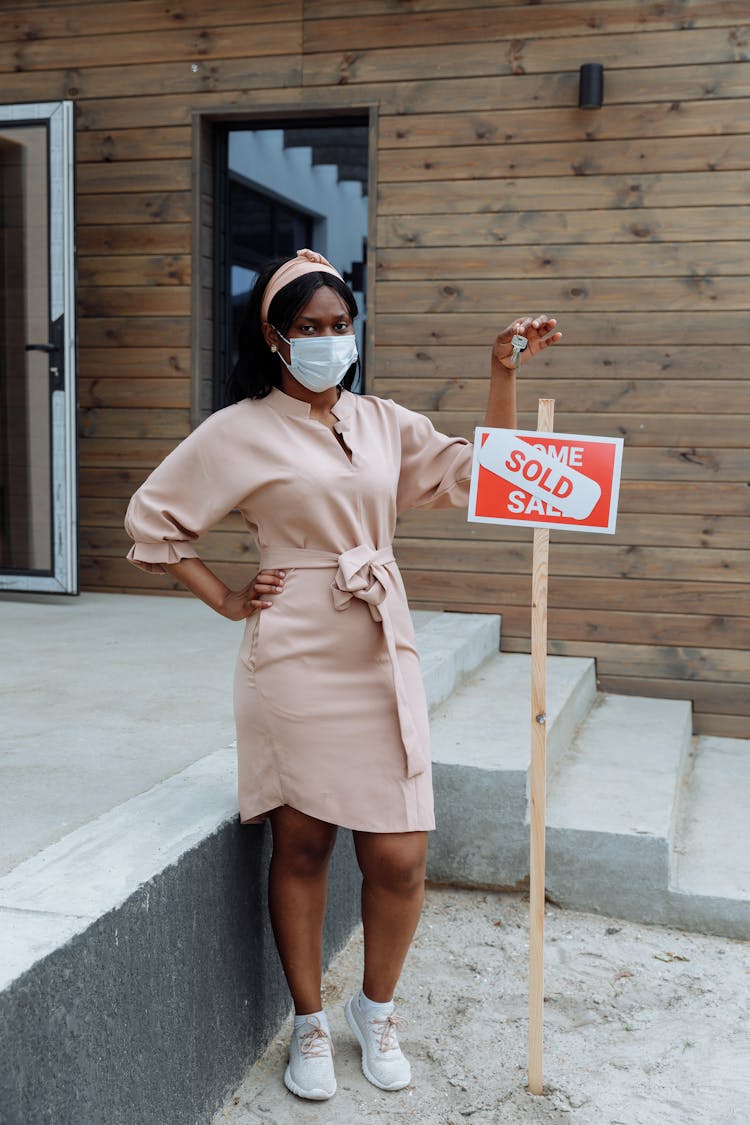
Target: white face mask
pixel 320 362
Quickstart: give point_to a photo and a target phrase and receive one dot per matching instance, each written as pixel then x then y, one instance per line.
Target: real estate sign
pixel 545 479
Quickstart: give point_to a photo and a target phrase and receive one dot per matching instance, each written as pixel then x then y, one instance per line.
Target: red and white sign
pixel 545 480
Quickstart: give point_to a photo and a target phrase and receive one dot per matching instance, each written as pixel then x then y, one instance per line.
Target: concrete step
pixel 710 874
pixel 451 646
pixel 611 810
pixel 480 750
pixel 712 853
pixel 639 826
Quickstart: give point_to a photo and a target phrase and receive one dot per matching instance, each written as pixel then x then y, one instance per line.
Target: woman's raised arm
pixel 501 402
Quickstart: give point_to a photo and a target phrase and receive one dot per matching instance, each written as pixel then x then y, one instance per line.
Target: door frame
pixel 59 117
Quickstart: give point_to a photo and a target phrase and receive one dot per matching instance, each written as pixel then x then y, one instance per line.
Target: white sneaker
pixel 310 1070
pixel 383 1063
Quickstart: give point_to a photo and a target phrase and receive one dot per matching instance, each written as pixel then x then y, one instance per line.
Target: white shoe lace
pixel 315 1043
pixel 387 1028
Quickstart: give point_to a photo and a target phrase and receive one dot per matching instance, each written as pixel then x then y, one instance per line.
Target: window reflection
pixel 25 428
pixel 300 185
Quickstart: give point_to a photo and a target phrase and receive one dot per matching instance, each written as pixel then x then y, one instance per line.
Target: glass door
pixel 38 549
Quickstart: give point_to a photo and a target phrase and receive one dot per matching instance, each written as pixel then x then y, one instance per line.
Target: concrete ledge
pixel 138 995
pixel 94 869
pixel 107 695
pixel 138 974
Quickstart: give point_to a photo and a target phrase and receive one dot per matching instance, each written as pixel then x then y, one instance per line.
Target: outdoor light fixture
pixel 591 86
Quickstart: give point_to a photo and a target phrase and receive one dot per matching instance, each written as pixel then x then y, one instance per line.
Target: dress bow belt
pixel 362 573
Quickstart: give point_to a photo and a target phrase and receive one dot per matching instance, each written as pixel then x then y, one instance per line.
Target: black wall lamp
pixel 591 86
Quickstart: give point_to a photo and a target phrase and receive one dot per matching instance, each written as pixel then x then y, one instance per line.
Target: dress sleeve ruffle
pixel 435 468
pixel 193 488
pixel 152 556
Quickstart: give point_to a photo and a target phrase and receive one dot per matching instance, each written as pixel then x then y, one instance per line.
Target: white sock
pixel 321 1017
pixel 372 1009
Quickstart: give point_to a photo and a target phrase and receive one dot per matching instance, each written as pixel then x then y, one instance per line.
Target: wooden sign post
pixel 542 480
pixel 538 781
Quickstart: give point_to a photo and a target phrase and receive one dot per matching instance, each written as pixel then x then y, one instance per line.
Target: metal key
pixel 519 343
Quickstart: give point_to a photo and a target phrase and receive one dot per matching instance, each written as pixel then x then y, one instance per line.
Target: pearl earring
pixel 273 347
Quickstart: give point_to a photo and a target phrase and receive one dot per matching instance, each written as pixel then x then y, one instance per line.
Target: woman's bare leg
pixel 393 869
pixel 297 885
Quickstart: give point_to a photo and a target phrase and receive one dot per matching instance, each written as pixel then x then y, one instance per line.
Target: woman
pixel 331 717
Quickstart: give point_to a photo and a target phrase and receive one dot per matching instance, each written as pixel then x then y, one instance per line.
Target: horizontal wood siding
pixel 630 224
pixel 495 196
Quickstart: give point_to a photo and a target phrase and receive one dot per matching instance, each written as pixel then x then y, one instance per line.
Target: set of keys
pixel 519 343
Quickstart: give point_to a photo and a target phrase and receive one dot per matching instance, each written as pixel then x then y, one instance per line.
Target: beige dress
pixel 329 703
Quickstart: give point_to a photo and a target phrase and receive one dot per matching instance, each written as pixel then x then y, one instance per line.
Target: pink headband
pixel 307 261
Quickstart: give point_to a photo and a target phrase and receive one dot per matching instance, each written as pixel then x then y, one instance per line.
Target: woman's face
pixel 325 314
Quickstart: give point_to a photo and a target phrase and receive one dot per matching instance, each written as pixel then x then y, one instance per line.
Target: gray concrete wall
pixel 150 1016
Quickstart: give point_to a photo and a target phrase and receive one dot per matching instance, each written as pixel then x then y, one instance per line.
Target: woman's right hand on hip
pixel 239 604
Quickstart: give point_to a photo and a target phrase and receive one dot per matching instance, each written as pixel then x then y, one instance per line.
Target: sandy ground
pixel 643 1026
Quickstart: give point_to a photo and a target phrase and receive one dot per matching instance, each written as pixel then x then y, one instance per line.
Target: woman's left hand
pixel 535 329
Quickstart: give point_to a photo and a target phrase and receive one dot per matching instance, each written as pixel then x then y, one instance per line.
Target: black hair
pixel 257 370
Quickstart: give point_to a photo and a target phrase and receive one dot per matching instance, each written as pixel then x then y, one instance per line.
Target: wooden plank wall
pixel 495 195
